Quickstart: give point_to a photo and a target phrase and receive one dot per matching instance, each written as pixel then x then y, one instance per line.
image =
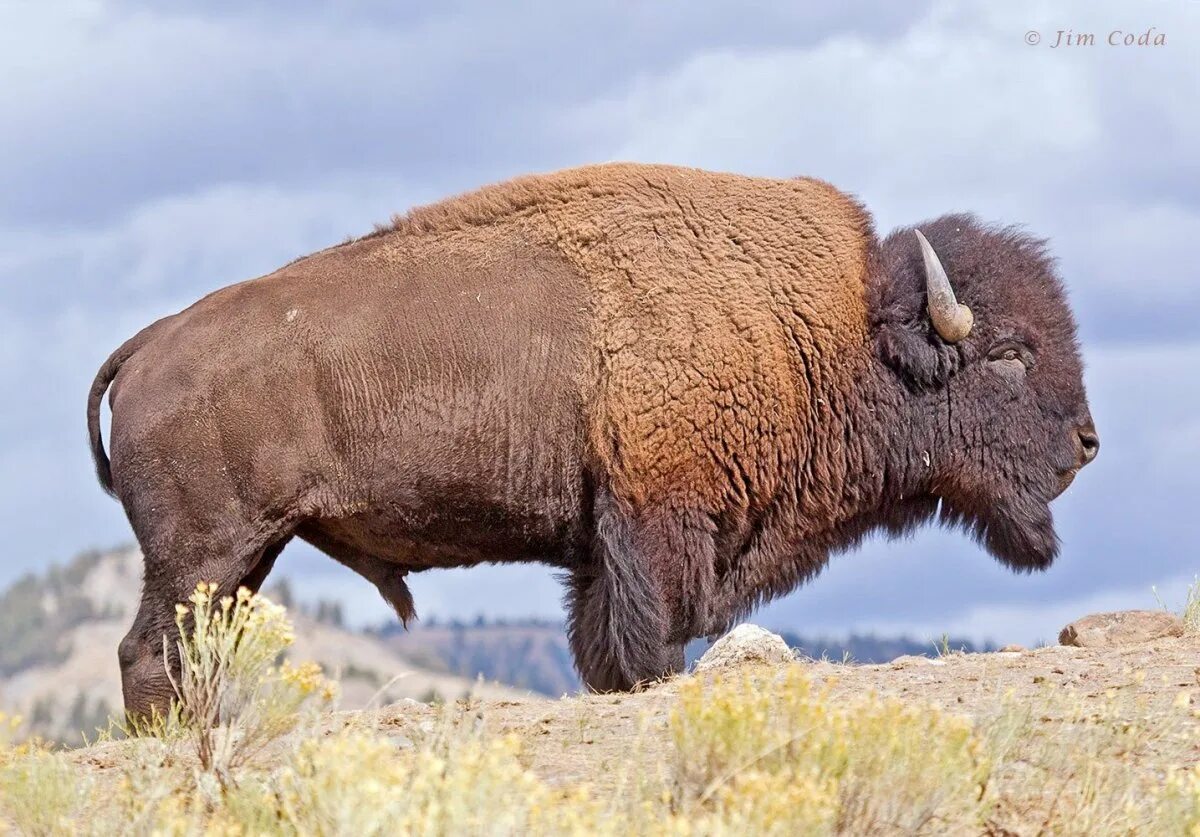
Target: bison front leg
pixel 642 597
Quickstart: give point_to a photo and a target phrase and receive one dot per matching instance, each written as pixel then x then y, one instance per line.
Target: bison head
pixel 975 322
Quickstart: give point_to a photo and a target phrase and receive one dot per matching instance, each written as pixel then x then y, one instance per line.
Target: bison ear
pixel 913 355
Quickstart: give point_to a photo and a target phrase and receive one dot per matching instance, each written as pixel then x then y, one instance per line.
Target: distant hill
pixel 534 654
pixel 58 649
pixel 870 648
pixel 530 654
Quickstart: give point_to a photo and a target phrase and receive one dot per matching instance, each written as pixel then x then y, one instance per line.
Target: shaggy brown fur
pixel 683 388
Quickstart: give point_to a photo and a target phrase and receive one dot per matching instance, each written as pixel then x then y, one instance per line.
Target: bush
pixel 40 791
pixel 1191 608
pixel 357 783
pixel 234 699
pixel 1065 765
pixel 1179 804
pixel 765 751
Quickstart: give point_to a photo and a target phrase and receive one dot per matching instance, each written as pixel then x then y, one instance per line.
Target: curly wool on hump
pixel 735 291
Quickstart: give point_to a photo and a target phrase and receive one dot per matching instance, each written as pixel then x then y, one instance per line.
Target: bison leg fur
pixel 630 612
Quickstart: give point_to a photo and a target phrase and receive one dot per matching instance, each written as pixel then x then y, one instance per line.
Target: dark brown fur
pixel 683 389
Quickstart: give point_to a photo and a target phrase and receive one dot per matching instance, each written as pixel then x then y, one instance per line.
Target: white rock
pixel 743 645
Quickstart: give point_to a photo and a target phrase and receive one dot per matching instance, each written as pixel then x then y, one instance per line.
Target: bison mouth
pixel 1065 478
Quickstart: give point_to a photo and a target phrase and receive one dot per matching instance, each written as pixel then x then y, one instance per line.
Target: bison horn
pixel 952 320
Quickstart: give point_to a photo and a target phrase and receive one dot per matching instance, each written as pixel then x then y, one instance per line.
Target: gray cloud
pixel 1093 150
pixel 124 103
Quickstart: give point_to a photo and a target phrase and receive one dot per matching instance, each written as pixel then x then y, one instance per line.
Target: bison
pixel 682 389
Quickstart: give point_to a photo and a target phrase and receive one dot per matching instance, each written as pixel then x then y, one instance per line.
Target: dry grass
pixel 765 750
pixel 1191 608
pixel 41 792
pixel 1190 612
pixel 1065 765
pixel 756 751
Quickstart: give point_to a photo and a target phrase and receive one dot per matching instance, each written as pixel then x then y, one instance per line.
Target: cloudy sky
pixel 150 153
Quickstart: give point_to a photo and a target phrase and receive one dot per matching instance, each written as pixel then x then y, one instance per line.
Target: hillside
pixel 592 738
pixel 59 635
pixel 531 655
pixel 1098 736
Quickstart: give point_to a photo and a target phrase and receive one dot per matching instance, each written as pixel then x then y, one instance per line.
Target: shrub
pixel 357 783
pixel 1065 764
pixel 1178 809
pixel 1191 608
pixel 234 699
pixel 8 731
pixel 40 791
pixel 760 751
pixel 747 742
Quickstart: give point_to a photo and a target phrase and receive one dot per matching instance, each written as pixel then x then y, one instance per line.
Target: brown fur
pixel 683 388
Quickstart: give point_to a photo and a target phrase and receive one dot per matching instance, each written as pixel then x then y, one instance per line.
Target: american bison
pixel 682 389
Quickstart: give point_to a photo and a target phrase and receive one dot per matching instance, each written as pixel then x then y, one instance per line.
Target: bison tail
pixel 104 377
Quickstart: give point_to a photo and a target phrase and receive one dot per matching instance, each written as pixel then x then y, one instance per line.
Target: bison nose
pixel 1089 444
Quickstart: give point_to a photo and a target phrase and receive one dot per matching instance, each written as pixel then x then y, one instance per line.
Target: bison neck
pixel 865 467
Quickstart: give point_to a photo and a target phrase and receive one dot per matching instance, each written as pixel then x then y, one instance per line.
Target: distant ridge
pixel 58 649
pixel 59 632
pixel 534 654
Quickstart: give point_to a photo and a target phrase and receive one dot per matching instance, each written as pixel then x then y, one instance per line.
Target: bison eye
pixel 1010 358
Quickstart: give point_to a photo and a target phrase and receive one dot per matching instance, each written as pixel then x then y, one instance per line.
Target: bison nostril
pixel 1090 444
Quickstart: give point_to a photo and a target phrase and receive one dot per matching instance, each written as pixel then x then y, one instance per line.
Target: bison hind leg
pixel 631 609
pixel 178 555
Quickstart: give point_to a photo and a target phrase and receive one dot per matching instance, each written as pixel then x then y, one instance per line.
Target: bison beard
pixel 1019 533
pixel 682 389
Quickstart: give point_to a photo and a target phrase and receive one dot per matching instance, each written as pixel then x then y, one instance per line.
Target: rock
pixel 746 644
pixel 1012 648
pixel 1126 627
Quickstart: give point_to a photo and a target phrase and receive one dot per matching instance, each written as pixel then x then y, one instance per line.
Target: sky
pixel 150 153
